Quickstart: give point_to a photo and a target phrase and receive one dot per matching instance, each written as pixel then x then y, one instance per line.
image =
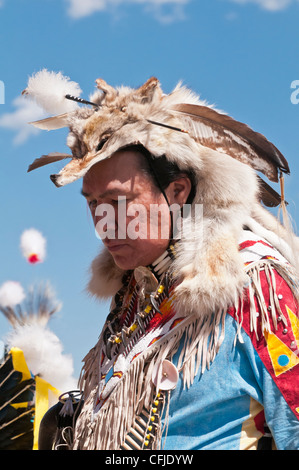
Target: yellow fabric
pixel 45 394
pixel 250 435
pixel 278 349
pixel 19 405
pixel 42 404
pixel 294 324
pixel 19 363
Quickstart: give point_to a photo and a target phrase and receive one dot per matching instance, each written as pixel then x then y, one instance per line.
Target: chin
pixel 124 260
pixel 130 262
pixel 127 258
pixel 125 264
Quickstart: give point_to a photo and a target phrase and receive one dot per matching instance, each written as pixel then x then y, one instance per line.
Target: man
pixel 123 176
pixel 200 347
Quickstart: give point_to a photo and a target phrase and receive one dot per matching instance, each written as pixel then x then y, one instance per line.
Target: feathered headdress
pixel 123 116
pixel 225 156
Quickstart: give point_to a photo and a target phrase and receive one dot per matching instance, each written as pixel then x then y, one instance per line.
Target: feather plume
pixel 224 134
pixel 33 246
pixel 46 159
pixel 48 89
pixel 11 294
pixel 41 354
pixel 42 349
pixel 37 307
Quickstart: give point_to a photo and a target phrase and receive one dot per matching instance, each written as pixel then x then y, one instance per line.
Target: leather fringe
pixel 133 394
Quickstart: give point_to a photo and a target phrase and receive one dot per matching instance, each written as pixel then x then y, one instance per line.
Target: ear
pixel 178 191
pixel 149 90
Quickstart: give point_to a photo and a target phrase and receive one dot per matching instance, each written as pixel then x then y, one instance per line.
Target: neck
pixel 161 264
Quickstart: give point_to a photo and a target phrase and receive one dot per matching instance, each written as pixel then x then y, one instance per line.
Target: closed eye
pixel 92 204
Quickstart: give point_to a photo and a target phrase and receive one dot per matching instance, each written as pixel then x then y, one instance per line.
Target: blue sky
pixel 242 56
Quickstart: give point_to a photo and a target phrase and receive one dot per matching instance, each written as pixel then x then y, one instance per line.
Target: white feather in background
pixel 44 355
pixel 33 246
pixel 11 294
pixel 42 349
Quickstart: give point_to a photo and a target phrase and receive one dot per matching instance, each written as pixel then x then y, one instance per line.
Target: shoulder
pixel 269 303
pixel 268 314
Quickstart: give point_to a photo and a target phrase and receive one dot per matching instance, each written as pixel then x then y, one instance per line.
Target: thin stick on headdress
pixel 81 100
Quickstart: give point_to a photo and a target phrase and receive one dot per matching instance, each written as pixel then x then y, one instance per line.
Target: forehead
pixel 123 170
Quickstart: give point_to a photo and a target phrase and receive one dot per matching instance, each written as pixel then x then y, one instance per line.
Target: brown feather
pixel 46 159
pixel 223 133
pixel 52 123
pixel 268 195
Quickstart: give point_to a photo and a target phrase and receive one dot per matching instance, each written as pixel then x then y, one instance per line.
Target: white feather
pixel 11 294
pixel 43 352
pixel 33 243
pixel 42 349
pixel 48 89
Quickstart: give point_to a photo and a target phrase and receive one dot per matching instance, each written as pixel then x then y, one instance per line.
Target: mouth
pixel 115 246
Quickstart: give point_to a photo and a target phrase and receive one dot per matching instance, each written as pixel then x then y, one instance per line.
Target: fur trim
pixel 106 277
pixel 210 268
pixel 280 236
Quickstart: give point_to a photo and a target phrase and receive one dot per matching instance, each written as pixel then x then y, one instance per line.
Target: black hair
pixel 163 172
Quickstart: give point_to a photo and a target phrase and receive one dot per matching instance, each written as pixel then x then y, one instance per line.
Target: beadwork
pixel 155 299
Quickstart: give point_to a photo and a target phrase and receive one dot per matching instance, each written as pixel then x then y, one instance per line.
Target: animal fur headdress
pixel 224 154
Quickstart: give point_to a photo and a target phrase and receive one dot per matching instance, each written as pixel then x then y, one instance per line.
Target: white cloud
pixel 270 5
pixel 26 111
pixel 79 9
pixel 165 11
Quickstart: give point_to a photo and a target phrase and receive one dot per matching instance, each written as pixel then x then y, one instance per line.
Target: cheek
pixel 148 221
pixel 159 223
pixel 159 219
pixel 136 220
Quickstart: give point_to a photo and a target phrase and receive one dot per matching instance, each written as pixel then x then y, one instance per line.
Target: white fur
pixel 105 276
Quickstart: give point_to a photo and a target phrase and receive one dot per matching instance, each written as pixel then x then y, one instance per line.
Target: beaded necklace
pixel 120 325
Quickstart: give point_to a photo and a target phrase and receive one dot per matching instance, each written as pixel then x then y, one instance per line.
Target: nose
pixel 53 178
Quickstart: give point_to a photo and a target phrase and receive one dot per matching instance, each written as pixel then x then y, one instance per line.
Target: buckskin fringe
pixel 134 391
pixel 273 310
pixel 196 340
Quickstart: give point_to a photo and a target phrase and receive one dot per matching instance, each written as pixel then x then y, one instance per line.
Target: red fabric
pixel 287 381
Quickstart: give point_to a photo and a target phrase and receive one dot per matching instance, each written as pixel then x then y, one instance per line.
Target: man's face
pixel 123 202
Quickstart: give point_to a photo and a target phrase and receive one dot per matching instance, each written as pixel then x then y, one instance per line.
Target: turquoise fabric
pixel 209 415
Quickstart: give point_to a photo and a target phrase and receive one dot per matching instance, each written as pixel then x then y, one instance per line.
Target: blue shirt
pixel 248 383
